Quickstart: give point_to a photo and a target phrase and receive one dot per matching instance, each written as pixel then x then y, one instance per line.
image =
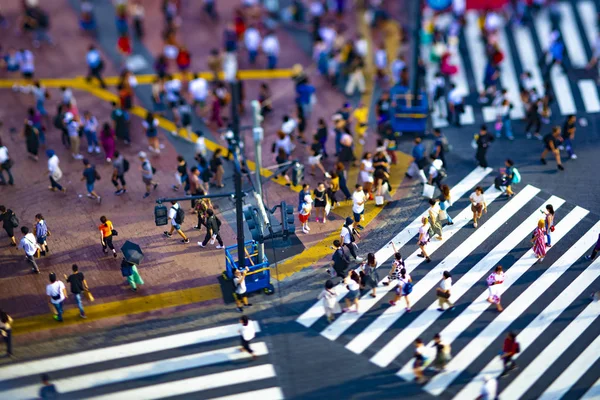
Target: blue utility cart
pixel 259 276
pixel 409 113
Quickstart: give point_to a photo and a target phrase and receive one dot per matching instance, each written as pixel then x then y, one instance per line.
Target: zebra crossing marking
pixel 593 393
pixel 589 93
pixel 587 13
pixel 534 330
pixel 408 335
pixel 527 55
pixel 509 78
pixel 312 315
pixel 441 381
pixel 570 35
pixel 535 369
pixel 274 393
pixel 196 384
pixel 384 321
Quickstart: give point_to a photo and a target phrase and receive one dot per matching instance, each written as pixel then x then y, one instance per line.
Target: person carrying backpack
pixel 508 176
pixel 120 167
pixel 213 227
pixel 177 215
pixel 10 222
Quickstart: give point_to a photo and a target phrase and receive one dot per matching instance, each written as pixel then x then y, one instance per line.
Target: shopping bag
pixel 442 216
pixel 428 190
pixel 327 207
pixel 88 295
pixel 378 200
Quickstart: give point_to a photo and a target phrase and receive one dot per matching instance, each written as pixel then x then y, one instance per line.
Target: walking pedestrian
pixel 423 358
pixel 213 227
pixel 549 220
pixel 539 240
pixel 73 126
pixel 340 259
pixel 10 222
pixel 551 143
pixel 95 65
pixel 593 255
pixel 57 293
pixel 252 42
pixel 216 167
pixel 239 294
pixel 304 213
pixel 120 167
pixel 348 236
pixel 403 288
pixel 247 333
pixel 397 265
pixel 78 286
pixel 270 46
pixel 54 171
pixel 176 216
pixel 147 173
pixel 533 119
pixel 509 350
pixel 120 120
pixel 48 390
pixel 131 273
pixel 352 282
pixel 6 164
pixel 330 302
pixel 107 231
pixel 305 191
pixel 320 202
pixel 489 389
pixel 6 331
pixel 568 135
pixel 478 204
pixel 419 161
pixel 434 218
pixel 41 232
pixel 369 277
pixel 508 177
pixel 442 353
pixel 29 245
pixel 107 140
pixel 182 176
pixel 32 140
pixel 493 281
pixel 359 198
pixel 440 146
pixel 90 176
pixel 90 127
pixel 424 239
pixel 443 292
pixel 445 202
pixel 482 140
pixel 456 105
pixel 184 110
pixel 340 169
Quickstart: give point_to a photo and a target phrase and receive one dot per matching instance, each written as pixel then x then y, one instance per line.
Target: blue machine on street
pixel 259 275
pixel 409 113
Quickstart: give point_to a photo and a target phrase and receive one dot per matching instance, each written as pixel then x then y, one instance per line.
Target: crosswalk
pixel 546 303
pixel 205 364
pixel 523 47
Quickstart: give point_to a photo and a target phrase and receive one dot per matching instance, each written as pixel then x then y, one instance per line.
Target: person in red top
pixel 183 59
pixel 124 45
pixel 510 348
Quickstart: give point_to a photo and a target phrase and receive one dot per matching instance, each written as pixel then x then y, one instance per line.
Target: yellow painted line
pixel 75 83
pixel 136 305
pixel 322 249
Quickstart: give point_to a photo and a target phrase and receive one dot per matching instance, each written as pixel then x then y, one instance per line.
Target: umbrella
pixel 132 252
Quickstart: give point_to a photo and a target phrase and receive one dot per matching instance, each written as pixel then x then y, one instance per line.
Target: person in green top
pixel 121 122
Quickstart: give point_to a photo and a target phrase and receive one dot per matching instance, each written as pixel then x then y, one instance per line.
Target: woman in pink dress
pixel 539 240
pixel 494 282
pixel 107 139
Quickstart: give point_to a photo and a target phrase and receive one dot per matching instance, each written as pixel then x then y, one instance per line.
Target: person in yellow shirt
pixel 361 117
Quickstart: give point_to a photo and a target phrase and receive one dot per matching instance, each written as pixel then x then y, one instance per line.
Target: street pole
pixel 258 134
pixel 418 15
pixel 237 175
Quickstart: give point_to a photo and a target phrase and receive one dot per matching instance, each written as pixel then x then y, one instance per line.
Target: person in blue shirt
pixel 48 390
pixel 304 93
pixel 439 152
pixel 95 65
pixel 90 176
pixel 419 161
pixel 305 191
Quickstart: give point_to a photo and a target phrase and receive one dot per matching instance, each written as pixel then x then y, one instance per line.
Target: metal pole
pixel 418 15
pixel 257 134
pixel 237 176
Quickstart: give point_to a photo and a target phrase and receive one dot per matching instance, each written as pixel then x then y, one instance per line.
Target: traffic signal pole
pixel 237 175
pixel 257 135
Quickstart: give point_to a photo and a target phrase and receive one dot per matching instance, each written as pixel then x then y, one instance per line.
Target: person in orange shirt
pixel 106 235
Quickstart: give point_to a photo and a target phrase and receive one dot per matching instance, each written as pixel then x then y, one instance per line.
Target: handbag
pixel 442 215
pixel 442 293
pixel 327 207
pixel 378 200
pixel 88 295
pixel 114 232
pixel 428 190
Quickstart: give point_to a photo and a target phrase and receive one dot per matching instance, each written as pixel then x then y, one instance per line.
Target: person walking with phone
pixel 176 216
pixel 443 292
pixel 29 244
pixel 247 333
pixel 107 231
pixel 57 293
pixel 78 286
pixel 213 227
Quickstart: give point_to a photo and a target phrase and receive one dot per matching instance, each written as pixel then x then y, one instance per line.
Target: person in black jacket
pixel 5 215
pixel 213 226
pixel 340 259
pixel 483 140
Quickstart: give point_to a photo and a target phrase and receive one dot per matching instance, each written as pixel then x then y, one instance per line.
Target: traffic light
pixel 287 220
pixel 254 224
pixel 297 173
pixel 160 215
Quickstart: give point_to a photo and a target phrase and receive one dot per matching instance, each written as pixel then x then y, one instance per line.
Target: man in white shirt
pixel 289 125
pixel 270 46
pixel 359 198
pixel 328 34
pixel 252 41
pixel 489 388
pixel 198 88
pixel 381 61
pixel 29 244
pixel 361 46
pixel 73 131
pixel 176 216
pixel 346 235
pixel 455 105
pixel 5 165
pixel 57 293
pixel 247 333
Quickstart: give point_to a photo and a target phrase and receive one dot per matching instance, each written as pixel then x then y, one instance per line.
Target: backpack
pixel 125 165
pixel 517 348
pixel 218 222
pixel 516 176
pixel 14 220
pixel 179 215
pixel 407 288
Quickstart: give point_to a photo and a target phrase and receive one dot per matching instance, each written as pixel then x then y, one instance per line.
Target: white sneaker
pixel 97 150
pixel 304 230
pixel 573 156
pixel 327 175
pixel 200 244
pixel 77 156
pixel 528 135
pixel 108 159
pixel 161 146
pixel 219 247
pixel 561 147
pixel 90 149
pixel 359 259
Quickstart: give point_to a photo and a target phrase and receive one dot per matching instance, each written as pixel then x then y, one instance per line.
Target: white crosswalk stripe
pixel 144 371
pixel 566 88
pixel 509 227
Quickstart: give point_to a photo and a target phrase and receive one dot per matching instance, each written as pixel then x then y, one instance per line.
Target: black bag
pixel 8 164
pixel 126 165
pixel 14 220
pixel 443 294
pixel 218 222
pixel 179 215
pixel 56 297
pixel 153 170
pixel 96 174
pixel 422 163
pixel 114 232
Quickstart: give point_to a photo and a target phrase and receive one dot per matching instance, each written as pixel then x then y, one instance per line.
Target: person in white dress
pixel 494 282
pixel 330 303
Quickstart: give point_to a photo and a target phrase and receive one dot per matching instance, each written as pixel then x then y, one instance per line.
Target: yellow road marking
pixel 120 308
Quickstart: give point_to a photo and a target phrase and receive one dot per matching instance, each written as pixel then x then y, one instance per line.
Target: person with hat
pixel 72 126
pixel 305 212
